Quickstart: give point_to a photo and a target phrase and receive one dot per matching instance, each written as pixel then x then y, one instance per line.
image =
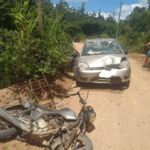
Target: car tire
pixel 79 83
pixel 126 84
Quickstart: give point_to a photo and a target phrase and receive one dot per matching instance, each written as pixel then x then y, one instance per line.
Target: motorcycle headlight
pixel 92 117
pixel 83 66
pixel 124 64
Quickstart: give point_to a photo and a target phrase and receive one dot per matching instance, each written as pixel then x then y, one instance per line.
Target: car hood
pixel 102 60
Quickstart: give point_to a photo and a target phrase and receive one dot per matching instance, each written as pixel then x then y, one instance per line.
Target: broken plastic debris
pixel 63 95
pixel 61 105
pixel 73 91
pixel 73 85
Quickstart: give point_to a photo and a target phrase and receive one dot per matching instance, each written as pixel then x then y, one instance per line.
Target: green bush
pixel 83 37
pixel 104 35
pixel 27 52
pixel 123 42
pixel 23 57
pixel 134 42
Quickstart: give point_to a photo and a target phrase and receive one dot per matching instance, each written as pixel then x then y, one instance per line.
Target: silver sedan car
pixel 102 61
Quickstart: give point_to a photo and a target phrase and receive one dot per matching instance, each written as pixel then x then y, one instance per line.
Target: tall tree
pixel 48 8
pixel 40 14
pixel 148 1
pixel 81 11
pixel 139 19
pixel 100 17
pixel 61 7
pixel 110 19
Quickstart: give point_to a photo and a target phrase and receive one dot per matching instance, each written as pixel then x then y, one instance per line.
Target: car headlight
pixel 124 64
pixel 83 66
pixel 92 117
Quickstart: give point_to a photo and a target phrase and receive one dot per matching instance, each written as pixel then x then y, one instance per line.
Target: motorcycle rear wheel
pixel 6 131
pixel 82 142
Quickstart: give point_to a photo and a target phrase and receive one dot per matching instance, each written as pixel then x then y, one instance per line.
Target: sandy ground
pixel 123 116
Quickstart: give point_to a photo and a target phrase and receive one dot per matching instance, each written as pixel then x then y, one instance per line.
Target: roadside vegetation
pixel 28 49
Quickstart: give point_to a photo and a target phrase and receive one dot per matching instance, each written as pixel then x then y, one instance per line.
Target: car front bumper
pixel 95 76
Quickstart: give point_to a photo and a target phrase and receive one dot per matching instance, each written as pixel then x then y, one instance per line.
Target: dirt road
pixel 123 116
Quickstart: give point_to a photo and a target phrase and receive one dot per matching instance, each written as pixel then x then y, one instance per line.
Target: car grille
pixel 106 67
pixel 83 79
pixel 110 80
pixel 101 79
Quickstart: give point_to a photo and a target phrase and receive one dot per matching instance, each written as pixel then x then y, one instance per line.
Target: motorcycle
pixel 57 129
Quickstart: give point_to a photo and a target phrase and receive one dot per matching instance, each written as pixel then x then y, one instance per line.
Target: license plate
pixel 105 74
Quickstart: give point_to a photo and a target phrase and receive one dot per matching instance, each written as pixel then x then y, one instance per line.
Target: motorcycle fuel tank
pixel 67 113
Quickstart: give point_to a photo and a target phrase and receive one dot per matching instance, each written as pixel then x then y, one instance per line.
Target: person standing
pixel 147 55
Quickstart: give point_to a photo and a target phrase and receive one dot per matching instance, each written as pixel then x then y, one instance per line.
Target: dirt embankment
pixel 123 116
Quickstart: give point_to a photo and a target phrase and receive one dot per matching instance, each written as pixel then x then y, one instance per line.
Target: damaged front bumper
pixel 102 76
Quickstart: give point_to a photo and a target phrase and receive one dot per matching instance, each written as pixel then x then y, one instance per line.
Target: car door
pixel 71 60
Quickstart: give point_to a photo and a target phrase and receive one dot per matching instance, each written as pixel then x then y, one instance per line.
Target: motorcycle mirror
pixel 84 100
pixel 87 95
pixel 26 104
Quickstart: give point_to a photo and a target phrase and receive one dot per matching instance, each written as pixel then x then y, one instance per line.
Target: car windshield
pixel 101 47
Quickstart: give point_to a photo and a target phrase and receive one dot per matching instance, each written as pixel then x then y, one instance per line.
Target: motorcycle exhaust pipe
pixel 5 114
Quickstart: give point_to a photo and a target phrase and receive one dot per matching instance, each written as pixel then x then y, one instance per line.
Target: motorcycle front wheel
pixel 81 143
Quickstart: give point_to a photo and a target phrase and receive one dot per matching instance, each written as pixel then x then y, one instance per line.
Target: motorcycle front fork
pixel 73 135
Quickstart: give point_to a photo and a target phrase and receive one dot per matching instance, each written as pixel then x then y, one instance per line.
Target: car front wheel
pixel 79 83
pixel 126 84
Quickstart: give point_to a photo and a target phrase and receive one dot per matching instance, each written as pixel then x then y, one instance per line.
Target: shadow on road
pixel 55 84
pixel 120 87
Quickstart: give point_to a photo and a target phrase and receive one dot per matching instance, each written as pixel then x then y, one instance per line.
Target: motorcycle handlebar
pixel 83 102
pixel 79 96
pixel 81 99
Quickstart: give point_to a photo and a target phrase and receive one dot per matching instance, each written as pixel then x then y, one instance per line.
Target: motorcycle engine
pixel 40 125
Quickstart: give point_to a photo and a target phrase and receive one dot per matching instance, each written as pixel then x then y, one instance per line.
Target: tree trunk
pixel 40 14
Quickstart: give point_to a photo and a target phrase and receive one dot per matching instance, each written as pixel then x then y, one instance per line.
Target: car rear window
pixel 101 47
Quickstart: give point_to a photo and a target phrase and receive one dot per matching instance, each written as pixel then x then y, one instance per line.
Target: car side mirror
pixel 126 51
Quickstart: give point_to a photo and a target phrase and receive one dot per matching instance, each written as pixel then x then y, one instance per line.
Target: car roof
pixel 100 39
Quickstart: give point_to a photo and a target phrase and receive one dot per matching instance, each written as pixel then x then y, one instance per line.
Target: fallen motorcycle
pixel 58 129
